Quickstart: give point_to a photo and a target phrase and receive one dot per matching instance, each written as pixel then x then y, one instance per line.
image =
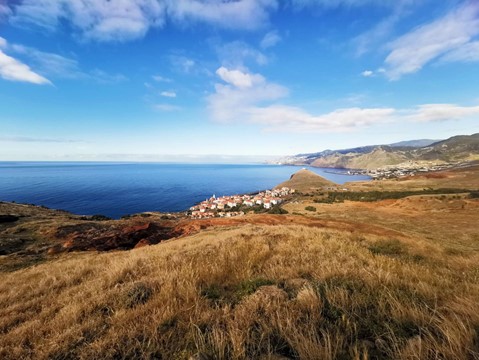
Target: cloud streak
pixel 450 34
pixel 26 139
pixel 170 94
pixel 48 65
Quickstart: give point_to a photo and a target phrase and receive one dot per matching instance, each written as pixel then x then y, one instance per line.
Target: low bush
pixel 389 247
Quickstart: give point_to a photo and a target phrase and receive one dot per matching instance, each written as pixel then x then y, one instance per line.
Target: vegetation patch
pixel 137 294
pixel 474 194
pixel 8 218
pixel 369 196
pixel 388 247
pixel 310 208
pixel 277 210
pixel 233 294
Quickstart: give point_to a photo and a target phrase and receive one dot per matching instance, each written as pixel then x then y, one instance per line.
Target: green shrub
pixel 310 208
pixel 474 194
pixel 277 210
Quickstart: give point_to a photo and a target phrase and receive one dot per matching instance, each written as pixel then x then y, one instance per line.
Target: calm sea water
pixel 115 189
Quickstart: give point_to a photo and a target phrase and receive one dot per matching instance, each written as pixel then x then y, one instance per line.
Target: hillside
pixel 453 150
pixel 305 180
pixel 341 281
pixel 389 279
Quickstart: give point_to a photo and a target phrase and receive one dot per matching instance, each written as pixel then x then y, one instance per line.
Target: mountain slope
pixel 453 150
pixel 304 180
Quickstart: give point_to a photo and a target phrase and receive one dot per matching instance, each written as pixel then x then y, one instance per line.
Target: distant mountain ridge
pixel 456 149
pixel 415 143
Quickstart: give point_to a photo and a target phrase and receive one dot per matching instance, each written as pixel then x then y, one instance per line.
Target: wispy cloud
pixel 96 20
pixel 5 11
pixel 453 32
pixel 348 3
pixel 56 66
pixel 49 63
pixel 182 63
pixel 367 73
pixel 103 77
pixel 238 54
pixel 127 20
pixel 27 139
pixel 270 39
pixel 466 53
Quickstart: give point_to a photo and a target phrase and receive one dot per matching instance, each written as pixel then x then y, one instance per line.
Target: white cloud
pixel 166 107
pixel 239 14
pixel 231 102
pixel 238 78
pixel 170 94
pixel 466 53
pixel 251 98
pixel 367 73
pixel 428 42
pixel 13 70
pixel 288 118
pixel 123 20
pixel 441 112
pixel 270 39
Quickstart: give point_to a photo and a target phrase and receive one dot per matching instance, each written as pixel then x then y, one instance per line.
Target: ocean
pixel 117 189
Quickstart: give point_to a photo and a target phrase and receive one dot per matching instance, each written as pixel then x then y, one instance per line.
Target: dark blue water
pixel 115 189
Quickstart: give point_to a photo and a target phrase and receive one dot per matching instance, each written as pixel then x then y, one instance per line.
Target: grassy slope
pixel 305 180
pixel 393 279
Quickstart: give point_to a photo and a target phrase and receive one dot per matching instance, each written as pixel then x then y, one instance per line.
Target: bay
pixel 117 189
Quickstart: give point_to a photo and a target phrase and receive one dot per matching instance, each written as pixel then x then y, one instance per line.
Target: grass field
pixel 250 292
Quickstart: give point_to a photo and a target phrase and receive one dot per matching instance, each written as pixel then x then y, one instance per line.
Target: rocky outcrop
pixel 104 237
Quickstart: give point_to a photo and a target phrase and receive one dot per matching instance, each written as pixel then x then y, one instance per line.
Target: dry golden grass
pixel 250 292
pixel 461 178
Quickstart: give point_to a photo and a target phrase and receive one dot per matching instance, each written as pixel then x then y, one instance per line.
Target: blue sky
pixel 213 80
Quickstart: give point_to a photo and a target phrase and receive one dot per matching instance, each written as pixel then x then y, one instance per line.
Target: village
pixel 224 206
pixel 409 168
